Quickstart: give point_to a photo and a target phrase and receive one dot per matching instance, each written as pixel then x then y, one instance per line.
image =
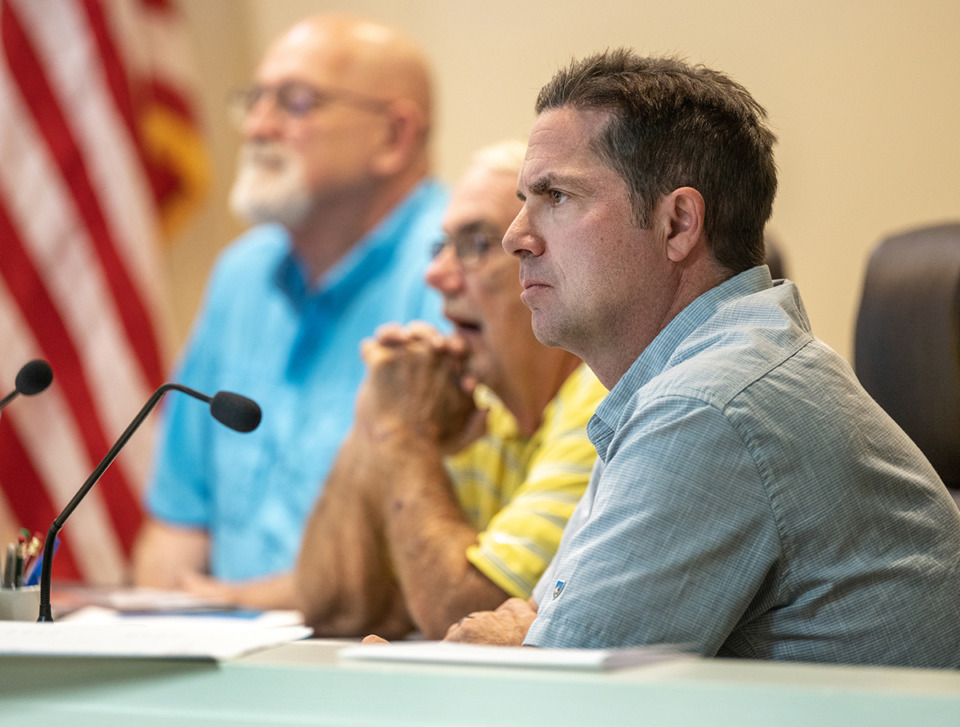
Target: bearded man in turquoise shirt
pixel 335 166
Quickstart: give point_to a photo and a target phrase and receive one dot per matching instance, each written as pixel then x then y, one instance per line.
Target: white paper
pixel 444 652
pixel 204 619
pixel 139 600
pixel 199 638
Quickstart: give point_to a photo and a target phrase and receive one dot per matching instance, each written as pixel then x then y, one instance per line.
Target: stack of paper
pixel 197 638
pixel 443 652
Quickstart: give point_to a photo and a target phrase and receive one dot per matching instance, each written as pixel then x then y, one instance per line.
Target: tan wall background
pixel 864 96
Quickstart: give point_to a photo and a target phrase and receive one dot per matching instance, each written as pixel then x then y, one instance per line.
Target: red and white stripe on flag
pixel 99 155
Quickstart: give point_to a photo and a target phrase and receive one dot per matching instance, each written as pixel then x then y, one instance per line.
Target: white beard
pixel 270 185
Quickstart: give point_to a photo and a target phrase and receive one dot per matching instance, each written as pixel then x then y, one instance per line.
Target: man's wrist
pixel 393 433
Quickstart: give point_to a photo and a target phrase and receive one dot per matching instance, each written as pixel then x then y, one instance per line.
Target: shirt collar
pixel 667 349
pixel 371 253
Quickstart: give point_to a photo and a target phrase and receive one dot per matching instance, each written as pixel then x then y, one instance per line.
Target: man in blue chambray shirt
pixel 335 165
pixel 750 499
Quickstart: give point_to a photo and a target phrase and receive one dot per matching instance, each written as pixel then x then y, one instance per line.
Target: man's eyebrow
pixel 551 181
pixel 543 184
pixel 479 225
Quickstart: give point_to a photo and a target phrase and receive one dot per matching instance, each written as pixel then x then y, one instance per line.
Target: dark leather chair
pixel 774 259
pixel 907 348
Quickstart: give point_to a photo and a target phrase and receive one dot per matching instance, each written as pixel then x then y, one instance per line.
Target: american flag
pixel 100 156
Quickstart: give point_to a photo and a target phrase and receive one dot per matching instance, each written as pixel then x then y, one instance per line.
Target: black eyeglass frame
pixel 298 99
pixel 470 245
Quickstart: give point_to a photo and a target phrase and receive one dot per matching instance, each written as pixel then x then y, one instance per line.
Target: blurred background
pixel 863 95
pixel 117 156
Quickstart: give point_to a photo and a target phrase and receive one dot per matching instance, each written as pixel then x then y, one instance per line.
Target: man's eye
pixel 555 196
pixel 298 100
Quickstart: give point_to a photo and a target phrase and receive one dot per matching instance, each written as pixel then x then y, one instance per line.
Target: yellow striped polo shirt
pixel 519 492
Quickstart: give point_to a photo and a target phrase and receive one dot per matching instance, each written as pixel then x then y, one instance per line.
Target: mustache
pixel 265 152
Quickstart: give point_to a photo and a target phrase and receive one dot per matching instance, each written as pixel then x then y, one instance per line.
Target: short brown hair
pixel 675 125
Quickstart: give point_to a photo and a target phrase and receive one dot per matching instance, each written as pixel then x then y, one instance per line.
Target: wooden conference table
pixel 305 682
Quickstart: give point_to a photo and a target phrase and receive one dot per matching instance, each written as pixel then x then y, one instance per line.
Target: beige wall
pixel 864 95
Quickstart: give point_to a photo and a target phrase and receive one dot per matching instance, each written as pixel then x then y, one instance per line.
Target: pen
pixel 33 577
pixel 32 550
pixel 18 565
pixel 11 566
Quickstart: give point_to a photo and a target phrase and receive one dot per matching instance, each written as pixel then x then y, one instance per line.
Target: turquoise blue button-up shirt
pixel 751 500
pixel 264 331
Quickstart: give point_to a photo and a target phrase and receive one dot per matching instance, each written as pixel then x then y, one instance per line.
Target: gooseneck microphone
pixel 33 377
pixel 232 410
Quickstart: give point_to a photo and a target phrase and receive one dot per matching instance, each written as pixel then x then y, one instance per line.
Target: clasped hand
pixel 506 626
pixel 417 383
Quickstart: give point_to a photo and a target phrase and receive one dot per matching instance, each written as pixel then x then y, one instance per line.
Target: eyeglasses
pixel 470 246
pixel 297 99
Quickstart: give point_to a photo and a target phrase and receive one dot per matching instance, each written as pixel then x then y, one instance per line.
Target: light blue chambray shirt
pixel 751 500
pixel 294 348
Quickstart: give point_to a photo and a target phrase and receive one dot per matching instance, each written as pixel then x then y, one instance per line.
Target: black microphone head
pixel 34 377
pixel 235 411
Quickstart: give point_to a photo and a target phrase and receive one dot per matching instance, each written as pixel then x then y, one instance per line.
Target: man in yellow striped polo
pixel 469 452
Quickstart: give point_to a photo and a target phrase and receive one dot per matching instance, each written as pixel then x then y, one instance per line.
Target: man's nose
pixel 264 119
pixel 519 239
pixel 444 273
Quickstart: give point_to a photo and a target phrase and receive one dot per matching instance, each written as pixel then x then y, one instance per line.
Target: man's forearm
pixel 428 537
pixel 274 592
pixel 344 582
pixel 164 554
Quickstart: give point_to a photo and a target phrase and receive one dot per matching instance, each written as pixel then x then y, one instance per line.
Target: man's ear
pixel 682 212
pixel 404 137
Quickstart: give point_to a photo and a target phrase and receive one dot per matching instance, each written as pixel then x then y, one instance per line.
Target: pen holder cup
pixel 20 604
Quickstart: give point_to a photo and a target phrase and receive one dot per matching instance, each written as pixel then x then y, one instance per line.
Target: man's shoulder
pixel 249 260
pixel 733 347
pixel 416 222
pixel 257 246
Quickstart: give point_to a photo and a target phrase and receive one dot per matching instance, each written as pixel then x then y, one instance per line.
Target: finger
pixel 372 351
pixel 468 383
pixel 373 639
pixel 456 346
pixel 428 334
pixel 389 331
pixel 422 329
pixel 457 632
pixel 367 347
pixel 398 334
